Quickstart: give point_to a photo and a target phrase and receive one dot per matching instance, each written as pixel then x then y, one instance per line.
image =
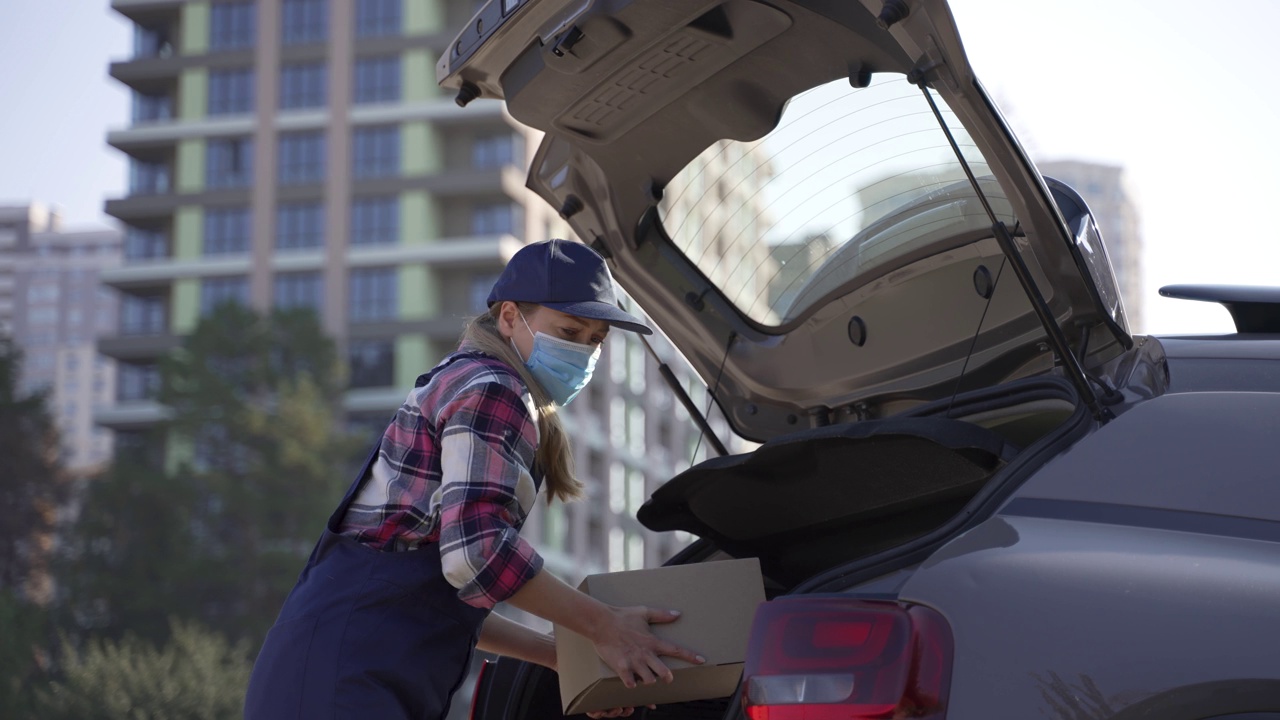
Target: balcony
pixel 137 347
pixel 148 75
pixel 142 208
pixel 162 271
pixel 130 416
pixel 147 11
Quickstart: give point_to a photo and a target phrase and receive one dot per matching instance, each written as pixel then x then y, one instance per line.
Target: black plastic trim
pixel 1144 517
pixel 1253 308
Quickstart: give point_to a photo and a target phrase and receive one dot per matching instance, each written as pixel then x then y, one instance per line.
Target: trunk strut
pixel 1057 340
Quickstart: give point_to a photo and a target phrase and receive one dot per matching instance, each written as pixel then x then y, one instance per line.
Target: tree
pixel 32 482
pixel 24 658
pixel 197 675
pixel 220 535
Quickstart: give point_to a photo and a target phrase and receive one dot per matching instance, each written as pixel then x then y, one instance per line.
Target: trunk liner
pixel 831 493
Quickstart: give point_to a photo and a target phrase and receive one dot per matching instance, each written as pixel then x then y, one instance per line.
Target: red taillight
pixel 475 694
pixel 816 658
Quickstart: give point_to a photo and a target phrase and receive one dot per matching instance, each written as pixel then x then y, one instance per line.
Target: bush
pixel 197 675
pixel 23 655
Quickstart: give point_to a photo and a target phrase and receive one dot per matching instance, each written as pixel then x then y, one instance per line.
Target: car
pixel 976 492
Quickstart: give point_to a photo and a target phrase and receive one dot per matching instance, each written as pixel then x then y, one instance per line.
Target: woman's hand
pixel 626 645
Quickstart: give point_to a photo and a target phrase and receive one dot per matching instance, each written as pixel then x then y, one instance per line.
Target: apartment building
pixel 289 153
pixel 52 305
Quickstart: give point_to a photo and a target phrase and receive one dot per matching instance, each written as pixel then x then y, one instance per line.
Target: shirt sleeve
pixel 488 439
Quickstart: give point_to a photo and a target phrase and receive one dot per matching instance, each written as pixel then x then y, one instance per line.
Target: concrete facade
pixel 55 309
pixel 339 163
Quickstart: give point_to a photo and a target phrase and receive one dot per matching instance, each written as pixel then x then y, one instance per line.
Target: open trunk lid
pixel 907 305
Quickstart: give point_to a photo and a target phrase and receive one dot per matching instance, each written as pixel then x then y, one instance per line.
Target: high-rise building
pixel 298 153
pixel 52 305
pixel 1106 191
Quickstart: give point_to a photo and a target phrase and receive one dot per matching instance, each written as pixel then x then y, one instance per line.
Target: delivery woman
pixel 398 591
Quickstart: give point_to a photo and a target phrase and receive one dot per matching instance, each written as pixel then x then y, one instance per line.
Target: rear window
pixel 851 184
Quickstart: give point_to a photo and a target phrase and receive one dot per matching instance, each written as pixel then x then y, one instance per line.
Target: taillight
pixel 475 694
pixel 816 658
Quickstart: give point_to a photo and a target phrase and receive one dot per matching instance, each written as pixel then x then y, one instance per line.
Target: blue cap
pixel 565 276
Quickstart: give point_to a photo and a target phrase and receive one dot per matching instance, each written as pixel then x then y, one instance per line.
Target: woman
pixel 398 591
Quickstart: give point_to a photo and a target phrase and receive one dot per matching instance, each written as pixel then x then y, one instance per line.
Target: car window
pixel 851 184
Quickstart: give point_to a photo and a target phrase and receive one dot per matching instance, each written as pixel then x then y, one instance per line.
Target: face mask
pixel 561 367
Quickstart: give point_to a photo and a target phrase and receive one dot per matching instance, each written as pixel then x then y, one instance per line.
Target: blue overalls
pixel 366 633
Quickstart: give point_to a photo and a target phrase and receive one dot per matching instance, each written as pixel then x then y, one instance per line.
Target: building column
pixel 263 201
pixel 337 188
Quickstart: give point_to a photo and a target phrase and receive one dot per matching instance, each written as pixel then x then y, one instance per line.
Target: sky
pixel 1174 91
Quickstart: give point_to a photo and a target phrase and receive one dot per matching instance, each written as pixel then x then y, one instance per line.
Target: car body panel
pixel 1071 619
pixel 1143 559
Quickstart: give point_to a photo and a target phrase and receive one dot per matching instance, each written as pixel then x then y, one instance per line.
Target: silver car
pixel 976 492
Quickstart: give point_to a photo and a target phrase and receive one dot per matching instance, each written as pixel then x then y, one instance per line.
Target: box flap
pixel 717 602
pixel 690 683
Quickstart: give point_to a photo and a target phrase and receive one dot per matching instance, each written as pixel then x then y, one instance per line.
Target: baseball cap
pixel 565 276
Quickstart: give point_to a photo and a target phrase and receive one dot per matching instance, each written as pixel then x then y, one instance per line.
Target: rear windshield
pixel 851 184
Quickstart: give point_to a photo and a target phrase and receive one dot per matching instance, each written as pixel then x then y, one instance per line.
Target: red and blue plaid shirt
pixel 454 467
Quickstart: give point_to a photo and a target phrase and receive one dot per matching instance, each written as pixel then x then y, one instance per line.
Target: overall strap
pixel 336 518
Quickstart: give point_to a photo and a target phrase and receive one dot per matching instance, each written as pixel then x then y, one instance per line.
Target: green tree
pixel 24 658
pixel 219 535
pixel 32 482
pixel 197 675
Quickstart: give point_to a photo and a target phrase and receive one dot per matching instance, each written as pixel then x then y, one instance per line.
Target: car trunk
pixel 827 498
pixel 820 498
pixel 807 501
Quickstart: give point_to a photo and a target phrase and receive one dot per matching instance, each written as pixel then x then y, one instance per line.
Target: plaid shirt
pixel 454 468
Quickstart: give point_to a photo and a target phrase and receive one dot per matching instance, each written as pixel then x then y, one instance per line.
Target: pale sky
pixel 1174 91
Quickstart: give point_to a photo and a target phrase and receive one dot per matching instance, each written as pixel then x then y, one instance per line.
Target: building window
pixel 372 364
pixel 228 162
pixel 152 42
pixel 230 91
pixel 302 86
pixel 481 286
pixel 152 108
pixel 137 382
pixel 375 220
pixel 226 231
pixel 376 151
pixel 301 157
pixel 218 291
pixel 148 178
pixel 42 316
pixel 231 25
pixel 376 18
pixel 493 219
pixel 299 290
pixel 495 151
pixel 43 292
pixel 377 79
pixel 299 226
pixel 304 21
pixel 373 294
pixel 143 314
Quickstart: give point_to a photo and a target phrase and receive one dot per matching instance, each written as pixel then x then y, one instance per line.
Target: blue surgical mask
pixel 561 367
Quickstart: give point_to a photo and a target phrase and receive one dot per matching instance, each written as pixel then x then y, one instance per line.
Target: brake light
pixel 475 694
pixel 815 658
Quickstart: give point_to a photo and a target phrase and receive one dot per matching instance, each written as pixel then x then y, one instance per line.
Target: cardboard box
pixel 716 600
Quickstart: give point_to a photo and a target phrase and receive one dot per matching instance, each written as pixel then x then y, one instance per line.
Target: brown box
pixel 716 600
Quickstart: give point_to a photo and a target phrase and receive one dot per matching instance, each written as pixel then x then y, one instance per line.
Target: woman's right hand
pixel 625 643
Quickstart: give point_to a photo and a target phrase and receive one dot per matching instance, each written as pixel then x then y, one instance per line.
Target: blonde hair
pixel 554 455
